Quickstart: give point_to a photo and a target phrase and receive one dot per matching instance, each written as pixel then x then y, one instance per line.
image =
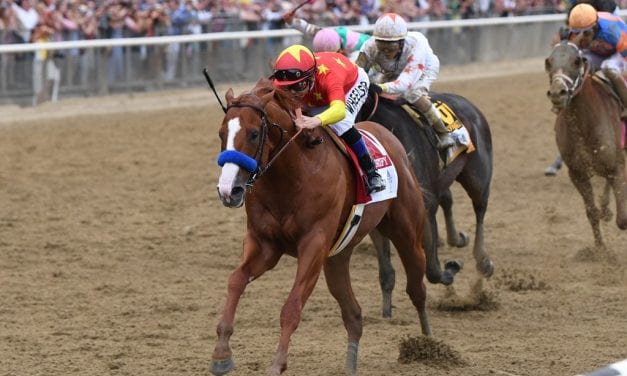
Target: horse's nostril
pixel 237 191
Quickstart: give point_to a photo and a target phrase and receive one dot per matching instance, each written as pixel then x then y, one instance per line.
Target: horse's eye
pixel 254 135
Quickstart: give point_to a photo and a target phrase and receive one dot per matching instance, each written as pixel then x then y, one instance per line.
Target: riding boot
pixel 432 115
pixel 617 80
pixel 374 181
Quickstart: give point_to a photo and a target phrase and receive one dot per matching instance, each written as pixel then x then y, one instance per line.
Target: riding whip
pixel 205 71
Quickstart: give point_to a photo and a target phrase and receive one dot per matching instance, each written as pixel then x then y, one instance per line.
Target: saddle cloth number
pixel 448 116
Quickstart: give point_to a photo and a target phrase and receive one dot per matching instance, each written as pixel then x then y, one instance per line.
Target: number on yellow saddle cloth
pixel 458 131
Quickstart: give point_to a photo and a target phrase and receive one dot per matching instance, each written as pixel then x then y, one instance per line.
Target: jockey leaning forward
pixel 336 39
pixel 602 37
pixel 403 63
pixel 332 89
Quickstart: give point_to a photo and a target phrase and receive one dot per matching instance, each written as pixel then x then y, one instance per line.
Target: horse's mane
pixel 283 97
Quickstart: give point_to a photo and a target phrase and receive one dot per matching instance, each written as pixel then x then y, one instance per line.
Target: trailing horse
pixel 472 170
pixel 588 133
pixel 299 191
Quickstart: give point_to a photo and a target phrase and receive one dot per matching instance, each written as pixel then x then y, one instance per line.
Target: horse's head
pixel 252 128
pixel 567 68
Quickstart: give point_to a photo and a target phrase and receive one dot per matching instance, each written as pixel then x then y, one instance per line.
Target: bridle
pixel 573 86
pixel 254 165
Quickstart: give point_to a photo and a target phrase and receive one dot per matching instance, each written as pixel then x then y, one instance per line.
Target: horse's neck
pixel 299 161
pixel 302 177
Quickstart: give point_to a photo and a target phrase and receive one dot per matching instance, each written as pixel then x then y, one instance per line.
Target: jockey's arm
pixel 407 79
pixel 333 114
pixel 304 27
pixel 363 61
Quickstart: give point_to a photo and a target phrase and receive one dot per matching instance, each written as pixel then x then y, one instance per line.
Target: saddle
pixel 385 167
pixel 463 143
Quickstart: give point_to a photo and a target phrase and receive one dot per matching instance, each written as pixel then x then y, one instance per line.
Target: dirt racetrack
pixel 115 251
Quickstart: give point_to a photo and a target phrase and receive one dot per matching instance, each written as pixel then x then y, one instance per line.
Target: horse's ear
pixel 229 96
pixel 547 65
pixel 267 97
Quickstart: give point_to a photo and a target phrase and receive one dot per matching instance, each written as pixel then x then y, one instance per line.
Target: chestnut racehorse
pixel 588 133
pixel 298 189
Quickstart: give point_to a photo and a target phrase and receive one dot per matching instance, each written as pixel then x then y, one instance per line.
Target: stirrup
pixel 445 141
pixel 374 183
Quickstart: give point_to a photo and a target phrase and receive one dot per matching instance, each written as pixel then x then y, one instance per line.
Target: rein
pixel 374 106
pixel 253 165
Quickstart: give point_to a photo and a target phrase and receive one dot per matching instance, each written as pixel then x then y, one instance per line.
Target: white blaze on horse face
pixel 229 170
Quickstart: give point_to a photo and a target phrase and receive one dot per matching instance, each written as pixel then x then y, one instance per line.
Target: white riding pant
pixel 354 100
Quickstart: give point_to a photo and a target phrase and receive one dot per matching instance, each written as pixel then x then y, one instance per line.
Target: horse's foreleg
pixel 252 266
pixel 430 246
pixel 222 360
pixel 583 185
pixel 604 202
pixel 311 254
pixel 453 237
pixel 619 183
pixel 413 258
pixel 337 275
pixel 387 275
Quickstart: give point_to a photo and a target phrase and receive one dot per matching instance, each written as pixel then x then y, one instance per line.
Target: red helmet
pixel 294 64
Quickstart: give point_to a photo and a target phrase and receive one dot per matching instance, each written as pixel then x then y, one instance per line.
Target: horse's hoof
pixel 454 266
pixel 551 171
pixel 451 267
pixel 486 267
pixel 447 278
pixel 221 367
pixel 462 240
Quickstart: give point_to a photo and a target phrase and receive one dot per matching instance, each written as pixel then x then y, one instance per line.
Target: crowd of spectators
pixel 24 21
pixel 89 19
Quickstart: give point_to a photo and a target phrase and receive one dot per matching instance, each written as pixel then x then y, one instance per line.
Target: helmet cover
pixel 294 64
pixel 390 27
pixel 583 16
pixel 327 39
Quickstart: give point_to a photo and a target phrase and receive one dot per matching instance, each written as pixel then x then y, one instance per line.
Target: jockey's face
pixel 301 88
pixel 584 38
pixel 587 38
pixel 389 49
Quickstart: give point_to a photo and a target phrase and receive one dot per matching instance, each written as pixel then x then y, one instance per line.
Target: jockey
pixel 333 88
pixel 403 63
pixel 603 38
pixel 336 39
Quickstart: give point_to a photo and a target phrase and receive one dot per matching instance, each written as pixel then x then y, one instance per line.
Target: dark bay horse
pixel 472 170
pixel 588 133
pixel 298 195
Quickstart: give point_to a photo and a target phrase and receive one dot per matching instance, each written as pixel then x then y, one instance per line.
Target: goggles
pixel 387 47
pixel 291 74
pixel 586 31
pixel 299 86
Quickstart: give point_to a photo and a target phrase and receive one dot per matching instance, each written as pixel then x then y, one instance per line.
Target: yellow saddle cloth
pixel 458 130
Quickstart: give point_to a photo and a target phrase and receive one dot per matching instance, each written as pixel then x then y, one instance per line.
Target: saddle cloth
pixel 385 167
pixel 458 130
